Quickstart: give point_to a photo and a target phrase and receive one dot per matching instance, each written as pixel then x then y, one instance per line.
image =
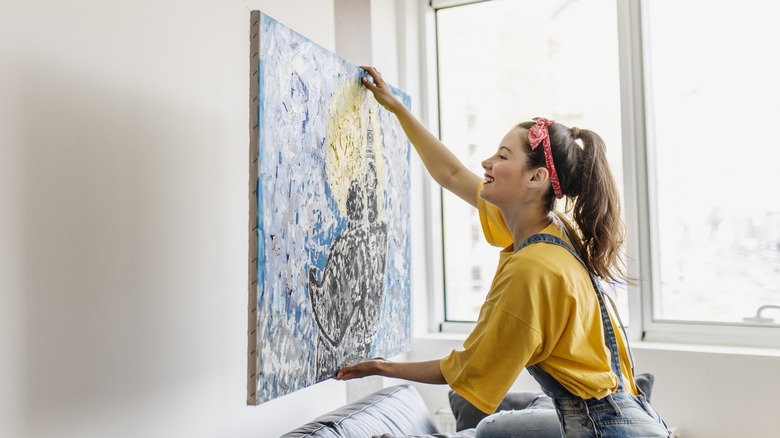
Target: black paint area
pixel 347 302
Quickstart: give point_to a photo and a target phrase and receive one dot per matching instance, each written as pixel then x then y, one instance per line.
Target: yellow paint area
pixel 346 142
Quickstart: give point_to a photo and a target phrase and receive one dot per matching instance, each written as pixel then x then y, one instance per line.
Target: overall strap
pixel 609 334
pixel 600 291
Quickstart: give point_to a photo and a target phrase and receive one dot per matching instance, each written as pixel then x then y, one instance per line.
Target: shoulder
pixel 533 260
pixel 553 258
pixel 543 273
pixel 542 259
pixel 533 274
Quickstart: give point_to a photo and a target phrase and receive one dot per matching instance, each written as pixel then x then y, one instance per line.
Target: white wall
pixel 123 242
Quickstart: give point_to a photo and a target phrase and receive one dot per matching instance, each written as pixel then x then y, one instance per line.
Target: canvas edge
pixel 254 51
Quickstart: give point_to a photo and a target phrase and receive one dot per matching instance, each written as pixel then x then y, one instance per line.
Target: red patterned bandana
pixel 539 134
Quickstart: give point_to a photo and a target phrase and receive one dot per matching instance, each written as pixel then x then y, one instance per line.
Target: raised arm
pixel 442 164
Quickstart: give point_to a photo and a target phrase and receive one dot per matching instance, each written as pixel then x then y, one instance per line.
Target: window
pixel 713 97
pixel 502 62
pixel 688 118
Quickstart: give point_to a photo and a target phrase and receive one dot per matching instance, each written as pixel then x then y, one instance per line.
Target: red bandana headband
pixel 539 134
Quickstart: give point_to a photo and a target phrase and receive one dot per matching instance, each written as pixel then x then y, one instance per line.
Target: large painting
pixel 329 220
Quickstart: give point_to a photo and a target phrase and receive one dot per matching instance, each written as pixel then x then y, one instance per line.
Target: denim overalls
pixel 620 414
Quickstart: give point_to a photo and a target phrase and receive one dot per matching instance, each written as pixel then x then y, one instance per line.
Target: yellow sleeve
pixel 485 370
pixel 493 226
pixel 501 345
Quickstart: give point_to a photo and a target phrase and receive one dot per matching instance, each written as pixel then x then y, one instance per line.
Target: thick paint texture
pixel 333 217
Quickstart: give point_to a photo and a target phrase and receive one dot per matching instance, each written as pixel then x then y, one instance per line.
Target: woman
pixel 544 311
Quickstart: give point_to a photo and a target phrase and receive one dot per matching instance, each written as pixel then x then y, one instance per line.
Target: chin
pixel 486 197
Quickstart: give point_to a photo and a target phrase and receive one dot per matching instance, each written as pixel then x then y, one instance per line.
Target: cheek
pixel 506 172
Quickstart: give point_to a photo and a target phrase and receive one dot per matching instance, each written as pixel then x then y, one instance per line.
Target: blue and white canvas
pixel 333 217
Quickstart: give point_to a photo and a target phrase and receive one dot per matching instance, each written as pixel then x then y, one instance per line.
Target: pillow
pixel 645 383
pixel 468 416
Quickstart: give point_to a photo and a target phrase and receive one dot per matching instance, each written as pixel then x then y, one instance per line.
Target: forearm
pixel 445 168
pixel 437 158
pixel 423 372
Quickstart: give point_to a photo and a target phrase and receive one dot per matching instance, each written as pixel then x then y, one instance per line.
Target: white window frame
pixel 639 202
pixel 641 210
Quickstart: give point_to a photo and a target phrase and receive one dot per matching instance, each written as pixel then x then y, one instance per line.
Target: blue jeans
pixel 619 415
pixel 537 423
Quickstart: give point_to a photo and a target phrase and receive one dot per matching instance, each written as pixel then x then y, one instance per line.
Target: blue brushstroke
pixel 325 236
pixel 260 236
pixel 292 118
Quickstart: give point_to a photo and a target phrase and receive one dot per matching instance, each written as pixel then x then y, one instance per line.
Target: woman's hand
pixel 381 90
pixel 373 367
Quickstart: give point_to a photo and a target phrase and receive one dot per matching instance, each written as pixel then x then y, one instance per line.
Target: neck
pixel 525 222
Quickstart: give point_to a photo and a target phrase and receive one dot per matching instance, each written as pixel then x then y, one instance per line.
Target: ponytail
pixel 596 211
pixel 587 182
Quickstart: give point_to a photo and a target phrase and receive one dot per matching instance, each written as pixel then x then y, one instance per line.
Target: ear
pixel 539 178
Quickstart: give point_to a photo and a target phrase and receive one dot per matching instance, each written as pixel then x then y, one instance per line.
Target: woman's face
pixel 506 174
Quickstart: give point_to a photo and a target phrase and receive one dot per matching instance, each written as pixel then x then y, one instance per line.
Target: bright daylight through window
pixel 711 258
pixel 502 62
pixel 714 96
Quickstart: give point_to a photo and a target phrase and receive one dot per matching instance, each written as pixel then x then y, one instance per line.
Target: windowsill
pixel 458 338
pixel 706 348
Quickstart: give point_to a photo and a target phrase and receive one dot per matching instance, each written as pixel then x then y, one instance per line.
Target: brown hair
pixel 587 182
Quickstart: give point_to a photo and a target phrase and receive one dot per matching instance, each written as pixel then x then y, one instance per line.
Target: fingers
pixel 375 75
pixel 362 369
pixel 368 84
pixel 347 373
pixel 382 92
pixel 372 71
pixel 351 372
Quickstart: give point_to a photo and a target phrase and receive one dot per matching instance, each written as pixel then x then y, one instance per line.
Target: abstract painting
pixel 329 216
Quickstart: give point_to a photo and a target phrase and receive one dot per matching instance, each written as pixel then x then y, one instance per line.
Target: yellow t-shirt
pixel 541 309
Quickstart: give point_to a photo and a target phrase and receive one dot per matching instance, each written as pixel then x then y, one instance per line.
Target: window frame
pixel 639 202
pixel 641 211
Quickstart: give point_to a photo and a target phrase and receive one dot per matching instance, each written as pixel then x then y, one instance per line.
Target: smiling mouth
pixel 488 179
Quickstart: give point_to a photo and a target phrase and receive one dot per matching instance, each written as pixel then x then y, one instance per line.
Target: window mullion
pixel 637 196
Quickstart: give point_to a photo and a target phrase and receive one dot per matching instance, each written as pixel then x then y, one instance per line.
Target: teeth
pixel 489 179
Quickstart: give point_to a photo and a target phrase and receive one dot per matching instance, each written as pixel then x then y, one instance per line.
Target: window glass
pixel 502 62
pixel 714 94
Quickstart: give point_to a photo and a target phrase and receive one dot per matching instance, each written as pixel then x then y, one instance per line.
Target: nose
pixel 486 164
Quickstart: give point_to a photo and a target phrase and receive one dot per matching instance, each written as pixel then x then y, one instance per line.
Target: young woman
pixel 545 310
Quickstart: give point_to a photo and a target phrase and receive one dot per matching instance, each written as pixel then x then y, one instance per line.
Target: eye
pixel 501 156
